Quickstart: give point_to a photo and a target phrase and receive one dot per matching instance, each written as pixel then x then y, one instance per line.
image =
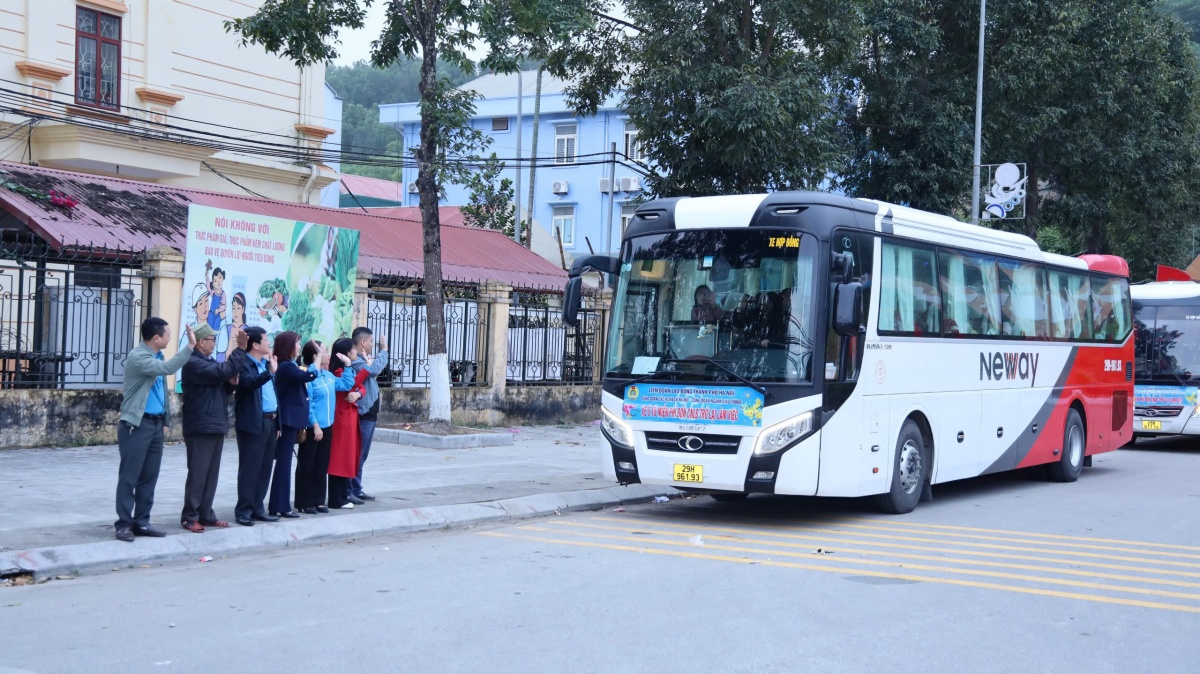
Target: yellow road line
pixel 915 525
pixel 1035 541
pixel 928 558
pixel 852 572
pixel 920 567
pixel 772 531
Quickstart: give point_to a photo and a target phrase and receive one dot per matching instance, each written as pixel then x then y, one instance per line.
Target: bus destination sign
pixel 709 405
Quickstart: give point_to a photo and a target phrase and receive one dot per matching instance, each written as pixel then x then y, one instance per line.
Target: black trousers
pixel 281 481
pixel 312 467
pixel 339 488
pixel 256 455
pixel 204 468
pixel 141 451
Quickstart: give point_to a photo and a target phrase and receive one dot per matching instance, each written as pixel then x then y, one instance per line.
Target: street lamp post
pixel 517 193
pixel 978 116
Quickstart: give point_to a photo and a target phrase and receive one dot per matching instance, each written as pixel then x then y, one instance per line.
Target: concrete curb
pixel 398 436
pixel 84 558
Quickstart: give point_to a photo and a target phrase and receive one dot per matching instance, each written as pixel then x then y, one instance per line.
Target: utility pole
pixel 517 192
pixel 612 198
pixel 978 116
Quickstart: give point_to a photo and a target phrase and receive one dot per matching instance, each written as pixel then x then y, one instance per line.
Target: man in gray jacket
pixel 145 412
pixel 368 404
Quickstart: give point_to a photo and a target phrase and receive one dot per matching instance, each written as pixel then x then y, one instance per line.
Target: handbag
pixel 302 436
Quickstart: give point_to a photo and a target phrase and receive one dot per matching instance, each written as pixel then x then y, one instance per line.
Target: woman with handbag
pixel 312 459
pixel 344 450
pixel 292 393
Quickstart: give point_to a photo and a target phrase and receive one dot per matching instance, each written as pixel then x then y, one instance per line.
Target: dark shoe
pixel 125 534
pixel 245 521
pixel 309 511
pixel 148 531
pixel 355 500
pixel 365 496
pixel 194 527
pixel 265 518
pixel 289 514
pixel 322 509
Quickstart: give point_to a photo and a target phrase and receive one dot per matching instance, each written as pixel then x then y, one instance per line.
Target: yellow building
pixel 158 91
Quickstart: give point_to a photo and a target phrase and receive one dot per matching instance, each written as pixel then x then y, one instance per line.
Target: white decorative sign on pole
pixel 1005 197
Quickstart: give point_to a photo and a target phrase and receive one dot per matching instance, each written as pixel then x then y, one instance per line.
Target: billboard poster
pixel 245 270
pixel 709 405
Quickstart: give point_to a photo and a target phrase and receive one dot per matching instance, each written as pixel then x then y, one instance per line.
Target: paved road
pixel 1002 574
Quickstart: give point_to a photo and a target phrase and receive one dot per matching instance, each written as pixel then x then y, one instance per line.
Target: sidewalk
pixel 57 514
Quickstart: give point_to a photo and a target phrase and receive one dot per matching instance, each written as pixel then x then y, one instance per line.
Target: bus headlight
pixel 618 431
pixel 783 435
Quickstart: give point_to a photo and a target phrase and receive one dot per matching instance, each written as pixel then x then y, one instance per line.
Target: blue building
pixel 572 192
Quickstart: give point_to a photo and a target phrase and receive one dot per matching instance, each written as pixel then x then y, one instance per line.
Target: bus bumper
pixel 1184 424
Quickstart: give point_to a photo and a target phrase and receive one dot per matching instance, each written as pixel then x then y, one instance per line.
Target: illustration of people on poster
pixel 243 270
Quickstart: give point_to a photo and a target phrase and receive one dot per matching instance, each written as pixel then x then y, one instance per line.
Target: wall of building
pixel 595 135
pixel 54 418
pixel 178 66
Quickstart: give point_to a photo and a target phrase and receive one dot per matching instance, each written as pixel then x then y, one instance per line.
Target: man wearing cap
pixel 145 412
pixel 206 388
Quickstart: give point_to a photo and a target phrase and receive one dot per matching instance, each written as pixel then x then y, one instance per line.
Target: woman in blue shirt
pixel 312 460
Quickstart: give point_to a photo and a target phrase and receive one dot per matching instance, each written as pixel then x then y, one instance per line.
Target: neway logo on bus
pixel 1001 365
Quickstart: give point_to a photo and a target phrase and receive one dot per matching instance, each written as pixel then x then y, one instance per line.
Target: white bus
pixel 812 344
pixel 1166 317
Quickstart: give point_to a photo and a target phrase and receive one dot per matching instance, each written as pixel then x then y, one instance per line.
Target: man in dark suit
pixel 256 411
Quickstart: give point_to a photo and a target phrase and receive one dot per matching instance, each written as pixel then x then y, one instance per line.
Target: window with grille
pixel 565 138
pixel 97 59
pixel 633 148
pixel 499 124
pixel 564 222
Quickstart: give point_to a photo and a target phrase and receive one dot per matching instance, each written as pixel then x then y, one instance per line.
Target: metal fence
pixel 67 320
pixel 400 314
pixel 544 351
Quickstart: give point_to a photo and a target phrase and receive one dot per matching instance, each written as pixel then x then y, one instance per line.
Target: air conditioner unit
pixel 606 185
pixel 412 188
pixel 559 187
pixel 630 185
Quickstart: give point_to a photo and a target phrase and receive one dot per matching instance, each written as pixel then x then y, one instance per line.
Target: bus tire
pixel 1074 446
pixel 910 471
pixel 729 496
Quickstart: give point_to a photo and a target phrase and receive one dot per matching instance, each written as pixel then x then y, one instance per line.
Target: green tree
pixel 306 32
pixel 729 96
pixel 491 201
pixel 1097 97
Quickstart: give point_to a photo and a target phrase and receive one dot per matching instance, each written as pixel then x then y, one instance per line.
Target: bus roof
pixel 1159 291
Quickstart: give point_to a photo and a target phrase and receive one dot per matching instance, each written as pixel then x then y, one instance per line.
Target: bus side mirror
pixel 571 299
pixel 847 309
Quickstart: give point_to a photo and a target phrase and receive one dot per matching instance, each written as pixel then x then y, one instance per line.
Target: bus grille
pixel 1157 411
pixel 708 444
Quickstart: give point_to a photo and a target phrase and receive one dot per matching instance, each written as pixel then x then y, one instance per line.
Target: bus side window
pixel 1071 308
pixel 970 287
pixel 908 299
pixel 1110 308
pixel 1023 300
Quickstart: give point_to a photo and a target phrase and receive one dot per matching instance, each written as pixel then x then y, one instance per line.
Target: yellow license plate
pixel 1146 426
pixel 687 472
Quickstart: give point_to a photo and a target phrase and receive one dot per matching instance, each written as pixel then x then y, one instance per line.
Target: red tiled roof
pixel 136 216
pixel 450 215
pixel 375 188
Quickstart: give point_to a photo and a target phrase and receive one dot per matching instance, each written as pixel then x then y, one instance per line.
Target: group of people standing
pixel 319 403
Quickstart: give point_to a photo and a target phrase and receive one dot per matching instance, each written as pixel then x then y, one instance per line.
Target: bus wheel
pixel 730 496
pixel 908 473
pixel 1070 461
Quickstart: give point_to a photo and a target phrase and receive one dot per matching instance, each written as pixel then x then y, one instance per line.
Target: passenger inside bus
pixel 762 321
pixel 705 309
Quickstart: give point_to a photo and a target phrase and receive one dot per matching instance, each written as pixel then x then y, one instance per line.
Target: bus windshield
pixel 1167 343
pixel 742 299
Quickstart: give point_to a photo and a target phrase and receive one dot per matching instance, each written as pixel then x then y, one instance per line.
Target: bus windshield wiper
pixel 729 371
